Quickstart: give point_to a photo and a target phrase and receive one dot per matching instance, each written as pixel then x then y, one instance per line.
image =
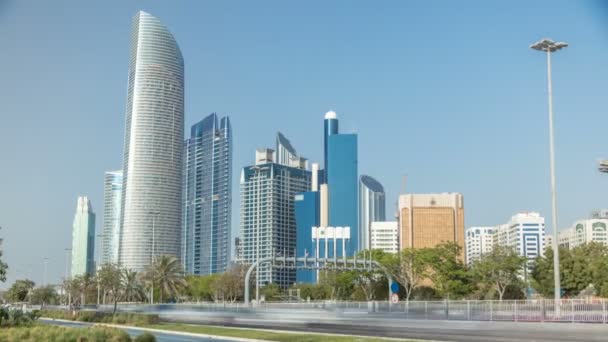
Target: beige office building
pixel 426 220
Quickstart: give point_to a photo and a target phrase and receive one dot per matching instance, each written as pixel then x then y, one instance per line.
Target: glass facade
pixel 83 239
pixel 112 195
pixel 307 216
pixel 330 128
pixel 268 222
pixel 152 164
pixel 207 196
pixel 372 207
pixel 343 181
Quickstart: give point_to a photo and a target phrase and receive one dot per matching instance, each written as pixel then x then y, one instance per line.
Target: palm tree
pixel 131 286
pixel 167 274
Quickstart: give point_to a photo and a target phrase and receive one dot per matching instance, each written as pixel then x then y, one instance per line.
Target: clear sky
pixel 445 92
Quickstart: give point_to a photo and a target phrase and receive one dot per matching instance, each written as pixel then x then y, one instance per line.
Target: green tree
pixel 541 273
pixel 3 269
pixel 372 283
pixel 499 269
pixel 447 271
pixel 108 278
pixel 201 287
pixel 85 284
pixel 44 295
pixel 131 286
pixel 229 286
pixel 271 292
pixel 410 267
pixel 166 273
pixel 19 291
pixel 313 291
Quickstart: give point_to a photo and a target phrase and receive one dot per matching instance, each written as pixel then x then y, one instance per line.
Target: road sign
pixel 395 298
pixel 395 287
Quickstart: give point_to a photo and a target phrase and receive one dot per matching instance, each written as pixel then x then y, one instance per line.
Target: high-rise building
pixel 384 236
pixel 83 238
pixel 268 223
pixel 372 208
pixel 525 233
pixel 478 241
pixel 153 152
pixel 342 179
pixel 285 153
pixel 207 196
pixel 427 220
pixel 330 126
pixel 112 194
pixel 308 215
pixel 583 232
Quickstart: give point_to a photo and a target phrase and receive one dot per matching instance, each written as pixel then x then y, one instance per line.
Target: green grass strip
pixel 263 335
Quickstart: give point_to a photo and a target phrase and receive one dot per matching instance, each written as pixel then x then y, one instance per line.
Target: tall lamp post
pixel 98 266
pixel 549 46
pixel 67 274
pixel 154 214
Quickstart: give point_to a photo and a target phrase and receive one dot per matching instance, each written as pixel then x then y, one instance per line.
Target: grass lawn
pixel 262 335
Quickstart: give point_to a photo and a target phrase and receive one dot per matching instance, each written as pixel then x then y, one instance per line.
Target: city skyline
pixel 576 150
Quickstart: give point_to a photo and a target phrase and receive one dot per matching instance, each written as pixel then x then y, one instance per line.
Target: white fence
pixel 542 310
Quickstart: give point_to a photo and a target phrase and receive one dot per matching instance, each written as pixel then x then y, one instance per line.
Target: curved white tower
pixel 152 164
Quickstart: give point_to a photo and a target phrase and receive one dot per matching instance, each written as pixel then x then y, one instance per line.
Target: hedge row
pixel 135 319
pixel 41 332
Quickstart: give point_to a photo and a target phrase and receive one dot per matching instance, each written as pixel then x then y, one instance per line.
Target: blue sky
pixel 447 93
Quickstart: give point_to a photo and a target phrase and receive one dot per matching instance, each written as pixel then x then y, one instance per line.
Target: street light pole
pixel 257 248
pixel 549 46
pixel 67 275
pixel 153 254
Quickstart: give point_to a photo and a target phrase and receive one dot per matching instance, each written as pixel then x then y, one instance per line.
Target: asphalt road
pixel 396 327
pixel 160 337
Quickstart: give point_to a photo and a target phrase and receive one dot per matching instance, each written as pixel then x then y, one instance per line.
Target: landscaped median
pixel 152 322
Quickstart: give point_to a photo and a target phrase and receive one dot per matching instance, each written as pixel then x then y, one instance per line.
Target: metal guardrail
pixel 541 310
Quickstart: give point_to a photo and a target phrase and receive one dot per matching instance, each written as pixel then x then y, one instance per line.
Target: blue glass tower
pixel 207 196
pixel 343 181
pixel 307 216
pixel 331 128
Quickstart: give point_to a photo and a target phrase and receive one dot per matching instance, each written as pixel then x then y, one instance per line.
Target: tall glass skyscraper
pixel 268 222
pixel 153 152
pixel 330 126
pixel 112 195
pixel 207 196
pixel 83 238
pixel 372 208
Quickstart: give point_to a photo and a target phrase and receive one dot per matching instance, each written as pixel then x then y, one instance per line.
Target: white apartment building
pixel 385 236
pixel 478 241
pixel 583 232
pixel 525 232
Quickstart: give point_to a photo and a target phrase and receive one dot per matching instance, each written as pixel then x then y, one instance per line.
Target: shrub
pixel 145 337
pixel 56 333
pixel 136 319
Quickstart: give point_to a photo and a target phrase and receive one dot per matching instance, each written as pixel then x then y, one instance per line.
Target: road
pixel 393 326
pixel 386 325
pixel 160 337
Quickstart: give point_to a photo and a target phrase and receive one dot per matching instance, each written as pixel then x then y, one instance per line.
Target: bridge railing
pixel 540 310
